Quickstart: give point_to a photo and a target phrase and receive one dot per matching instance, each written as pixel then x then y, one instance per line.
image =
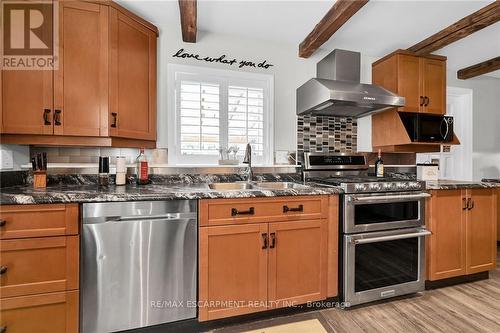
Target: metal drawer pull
pixel 421 100
pixel 287 209
pixel 465 204
pixel 265 239
pixel 273 240
pixel 391 197
pixel 115 119
pixel 3 270
pixel 2 222
pixel 57 117
pixel 393 237
pixel 46 119
pixel 235 211
pixel 470 204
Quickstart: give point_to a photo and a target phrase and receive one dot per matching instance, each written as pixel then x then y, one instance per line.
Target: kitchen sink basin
pixel 280 185
pixel 230 186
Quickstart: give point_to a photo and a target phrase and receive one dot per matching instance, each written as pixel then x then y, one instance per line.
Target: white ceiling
pixel 377 29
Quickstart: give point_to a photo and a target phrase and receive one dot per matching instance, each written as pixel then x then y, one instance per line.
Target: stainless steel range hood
pixel 336 91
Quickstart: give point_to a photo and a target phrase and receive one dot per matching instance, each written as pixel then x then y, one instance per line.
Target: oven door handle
pixel 391 197
pixel 392 237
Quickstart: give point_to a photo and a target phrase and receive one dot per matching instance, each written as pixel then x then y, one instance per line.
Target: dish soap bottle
pixel 379 165
pixel 142 168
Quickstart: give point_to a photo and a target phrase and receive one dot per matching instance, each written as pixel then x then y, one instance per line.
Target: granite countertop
pixel 92 193
pixel 458 184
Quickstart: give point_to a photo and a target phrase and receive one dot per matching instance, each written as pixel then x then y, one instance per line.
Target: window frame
pixel 225 78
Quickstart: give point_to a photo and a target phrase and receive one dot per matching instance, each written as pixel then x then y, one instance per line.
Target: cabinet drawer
pixel 22 221
pixel 45 313
pixel 257 210
pixel 38 265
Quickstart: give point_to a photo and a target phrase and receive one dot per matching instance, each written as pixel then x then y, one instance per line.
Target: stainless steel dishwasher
pixel 138 264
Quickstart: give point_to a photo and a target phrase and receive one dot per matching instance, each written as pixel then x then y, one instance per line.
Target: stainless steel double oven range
pixel 382 228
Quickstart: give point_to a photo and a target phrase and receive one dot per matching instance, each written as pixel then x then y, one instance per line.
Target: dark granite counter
pixel 93 193
pixel 457 184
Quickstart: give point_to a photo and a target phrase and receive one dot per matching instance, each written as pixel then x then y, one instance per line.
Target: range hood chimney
pixel 337 91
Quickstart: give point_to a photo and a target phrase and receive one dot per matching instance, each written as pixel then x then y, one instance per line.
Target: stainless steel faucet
pixel 248 160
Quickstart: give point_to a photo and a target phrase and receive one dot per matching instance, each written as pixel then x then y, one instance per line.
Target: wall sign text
pixel 223 60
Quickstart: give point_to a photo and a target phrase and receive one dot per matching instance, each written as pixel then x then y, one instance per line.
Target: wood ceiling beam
pixel 188 20
pixel 479 69
pixel 468 25
pixel 336 17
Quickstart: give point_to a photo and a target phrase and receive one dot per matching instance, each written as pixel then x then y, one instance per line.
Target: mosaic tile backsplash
pixel 322 134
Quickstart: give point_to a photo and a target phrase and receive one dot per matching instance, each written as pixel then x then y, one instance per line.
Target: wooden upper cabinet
pixel 421 80
pixel 26 98
pixel 104 86
pixel 481 230
pixel 81 81
pixel 233 267
pixel 132 79
pixel 409 82
pixel 434 85
pixel 446 250
pixel 297 262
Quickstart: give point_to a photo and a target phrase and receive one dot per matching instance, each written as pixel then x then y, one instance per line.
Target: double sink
pixel 257 186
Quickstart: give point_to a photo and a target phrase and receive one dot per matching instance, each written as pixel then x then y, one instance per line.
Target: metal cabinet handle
pixel 287 209
pixel 46 118
pixel 426 100
pixel 115 119
pixel 3 328
pixel 235 211
pixel 273 240
pixel 57 117
pixel 265 239
pixel 2 222
pixel 421 100
pixel 3 270
pixel 464 204
pixel 470 204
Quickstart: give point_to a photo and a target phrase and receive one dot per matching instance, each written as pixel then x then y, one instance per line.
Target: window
pixel 213 109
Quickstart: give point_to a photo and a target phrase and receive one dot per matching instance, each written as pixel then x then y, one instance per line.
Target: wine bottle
pixel 379 165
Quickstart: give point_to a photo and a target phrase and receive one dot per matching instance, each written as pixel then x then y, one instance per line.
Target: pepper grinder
pixel 103 170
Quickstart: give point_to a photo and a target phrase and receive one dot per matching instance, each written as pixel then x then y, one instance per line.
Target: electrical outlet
pixel 6 159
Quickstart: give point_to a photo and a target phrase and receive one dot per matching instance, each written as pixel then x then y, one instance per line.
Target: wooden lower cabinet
pixel 233 268
pixel 297 262
pixel 39 262
pixel 463 226
pixel 257 266
pixel 43 313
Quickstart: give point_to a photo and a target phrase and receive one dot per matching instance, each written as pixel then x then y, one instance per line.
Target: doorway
pixel 455 162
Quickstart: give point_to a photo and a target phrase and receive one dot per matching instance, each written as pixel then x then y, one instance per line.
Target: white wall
pixel 289 72
pixel 486 123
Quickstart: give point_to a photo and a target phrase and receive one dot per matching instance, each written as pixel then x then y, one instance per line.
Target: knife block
pixel 39 179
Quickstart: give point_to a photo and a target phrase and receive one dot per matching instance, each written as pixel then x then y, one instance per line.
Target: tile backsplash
pixel 91 155
pixel 323 134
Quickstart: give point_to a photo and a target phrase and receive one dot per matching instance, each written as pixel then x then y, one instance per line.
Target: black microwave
pixel 427 127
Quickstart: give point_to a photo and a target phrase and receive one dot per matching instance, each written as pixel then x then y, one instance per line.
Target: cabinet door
pixel 434 85
pixel 297 262
pixel 409 84
pixel 25 97
pixel 133 79
pixel 81 82
pixel 43 313
pixel 498 214
pixel 233 270
pixel 446 255
pixel 481 231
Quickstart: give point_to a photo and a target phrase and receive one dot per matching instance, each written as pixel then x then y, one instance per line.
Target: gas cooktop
pixel 349 171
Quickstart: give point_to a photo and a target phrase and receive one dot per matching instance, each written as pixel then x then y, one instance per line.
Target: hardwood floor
pixel 470 307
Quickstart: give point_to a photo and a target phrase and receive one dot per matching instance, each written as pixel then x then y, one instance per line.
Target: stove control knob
pixel 402 186
pixel 360 187
pixel 389 186
pixel 375 187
